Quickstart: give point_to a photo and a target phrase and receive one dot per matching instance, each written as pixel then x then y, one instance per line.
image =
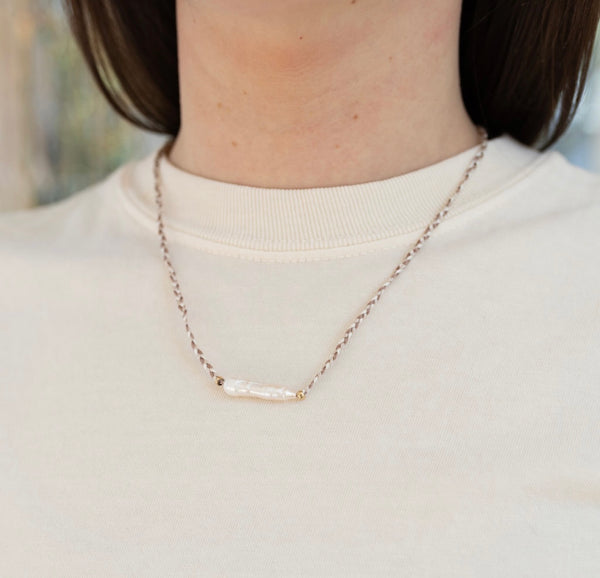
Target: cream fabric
pixel 456 435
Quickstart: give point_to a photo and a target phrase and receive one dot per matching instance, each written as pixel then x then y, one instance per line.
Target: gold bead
pixel 300 394
pixel 219 380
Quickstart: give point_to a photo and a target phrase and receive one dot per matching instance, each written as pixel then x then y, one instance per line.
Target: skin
pixel 309 93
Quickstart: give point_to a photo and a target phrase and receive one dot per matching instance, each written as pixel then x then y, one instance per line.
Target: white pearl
pixel 243 388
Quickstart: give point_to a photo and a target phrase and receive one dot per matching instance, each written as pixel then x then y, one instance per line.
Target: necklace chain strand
pixel 273 392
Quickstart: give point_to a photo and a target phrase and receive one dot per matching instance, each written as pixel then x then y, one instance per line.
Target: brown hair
pixel 523 63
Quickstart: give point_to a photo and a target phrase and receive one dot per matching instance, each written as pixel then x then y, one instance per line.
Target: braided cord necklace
pixel 241 387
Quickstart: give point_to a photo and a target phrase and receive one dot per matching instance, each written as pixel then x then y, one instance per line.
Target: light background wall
pixel 57 133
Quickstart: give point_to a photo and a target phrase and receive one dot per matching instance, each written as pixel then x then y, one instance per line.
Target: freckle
pixel 355 117
pixel 353 2
pixel 234 143
pixel 337 146
pixel 245 92
pixel 220 105
pixel 390 59
pixel 300 37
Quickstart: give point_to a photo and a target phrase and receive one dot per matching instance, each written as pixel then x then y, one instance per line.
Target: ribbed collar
pixel 241 218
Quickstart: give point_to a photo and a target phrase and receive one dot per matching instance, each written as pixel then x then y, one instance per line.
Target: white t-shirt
pixel 456 435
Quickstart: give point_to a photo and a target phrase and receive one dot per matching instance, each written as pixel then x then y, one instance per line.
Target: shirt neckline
pixel 263 222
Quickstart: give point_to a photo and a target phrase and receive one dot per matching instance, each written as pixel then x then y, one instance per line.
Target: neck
pixel 306 93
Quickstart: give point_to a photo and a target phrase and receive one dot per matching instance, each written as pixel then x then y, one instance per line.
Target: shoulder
pixel 549 239
pixel 67 252
pixel 49 251
pixel 554 202
pixel 564 206
pixel 550 221
pixel 564 185
pixel 82 219
pixel 53 217
pixel 548 210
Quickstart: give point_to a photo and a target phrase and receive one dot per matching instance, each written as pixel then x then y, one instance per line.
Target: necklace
pixel 242 387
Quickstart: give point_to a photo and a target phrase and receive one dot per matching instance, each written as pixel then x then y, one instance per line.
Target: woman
pixel 313 144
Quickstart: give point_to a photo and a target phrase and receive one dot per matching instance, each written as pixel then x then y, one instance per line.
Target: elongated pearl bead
pixel 243 388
